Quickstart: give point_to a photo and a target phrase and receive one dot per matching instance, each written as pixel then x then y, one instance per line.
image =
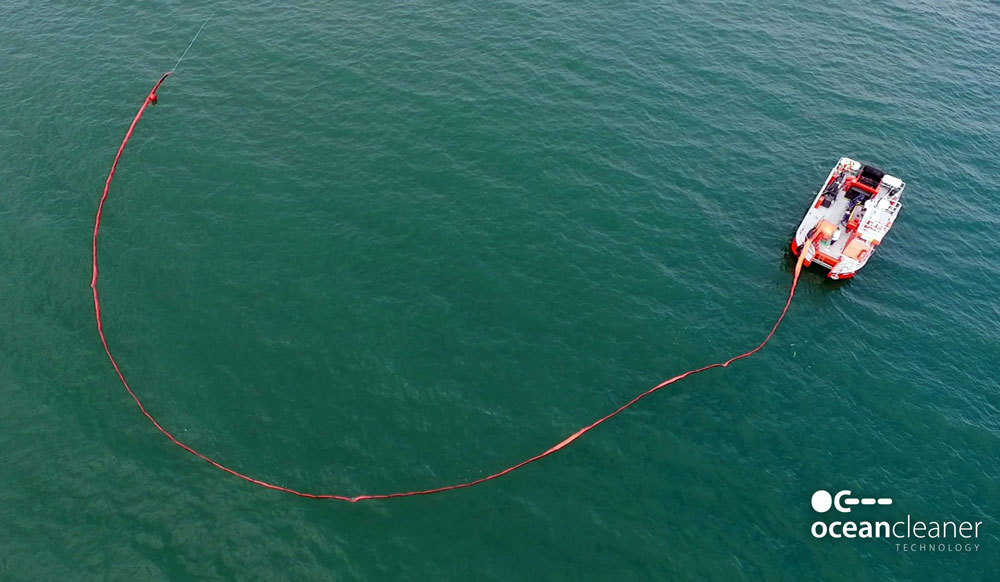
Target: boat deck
pixel 835 214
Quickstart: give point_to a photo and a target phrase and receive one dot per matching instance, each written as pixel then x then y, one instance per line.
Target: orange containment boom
pixel 150 98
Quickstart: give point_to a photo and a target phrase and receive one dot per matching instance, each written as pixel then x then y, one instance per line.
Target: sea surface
pixel 367 247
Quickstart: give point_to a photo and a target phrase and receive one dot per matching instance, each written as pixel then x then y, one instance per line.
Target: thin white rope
pixel 184 54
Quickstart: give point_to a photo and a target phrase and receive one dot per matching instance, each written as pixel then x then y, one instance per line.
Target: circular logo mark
pixel 822 501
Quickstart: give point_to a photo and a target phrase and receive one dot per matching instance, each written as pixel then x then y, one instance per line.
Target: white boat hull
pixel 854 209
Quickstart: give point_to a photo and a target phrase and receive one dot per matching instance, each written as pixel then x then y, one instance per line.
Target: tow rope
pixel 151 98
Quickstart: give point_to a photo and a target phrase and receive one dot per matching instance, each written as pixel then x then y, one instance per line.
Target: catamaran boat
pixel 852 213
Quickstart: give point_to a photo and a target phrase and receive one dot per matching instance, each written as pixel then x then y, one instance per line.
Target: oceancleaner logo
pixel 933 536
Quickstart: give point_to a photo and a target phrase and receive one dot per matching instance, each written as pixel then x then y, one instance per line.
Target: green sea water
pixel 366 247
